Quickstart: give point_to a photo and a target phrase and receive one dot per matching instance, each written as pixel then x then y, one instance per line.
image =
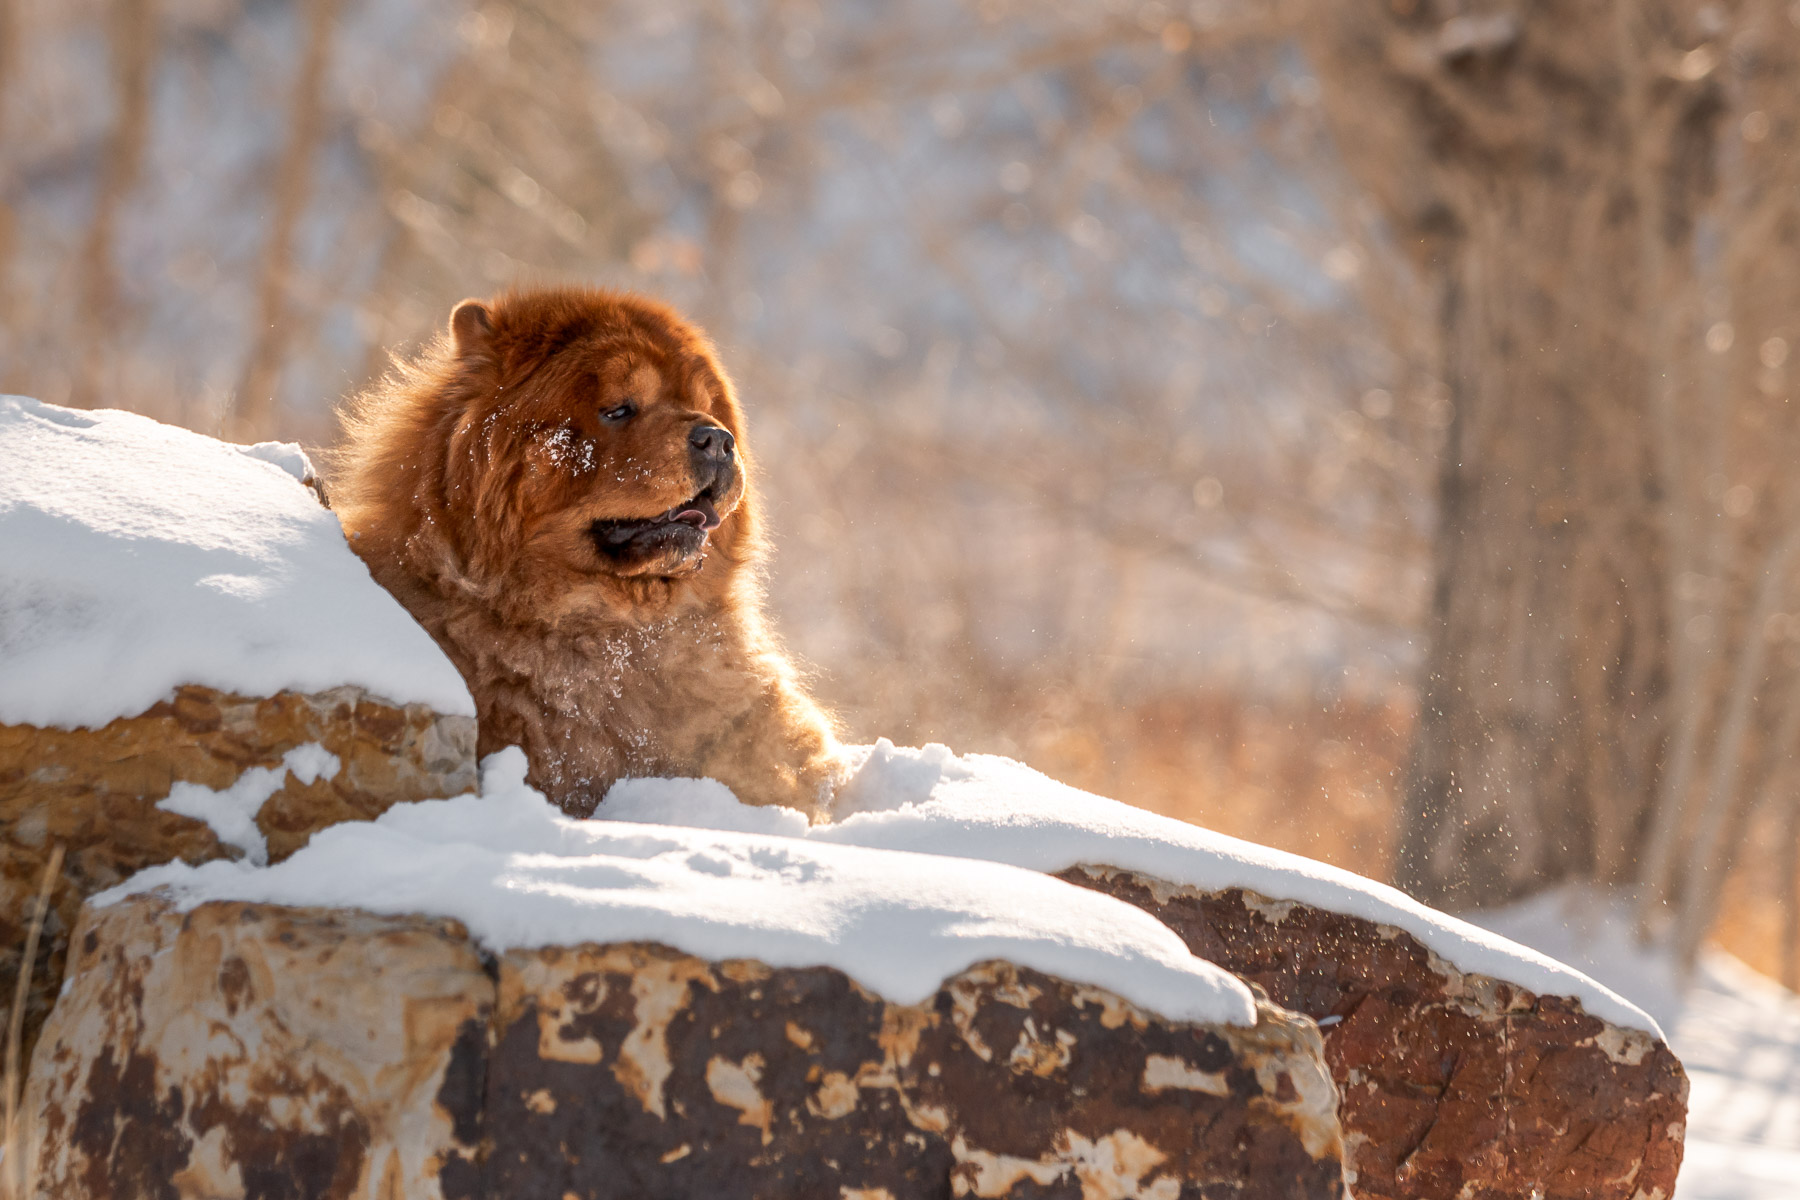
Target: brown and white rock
pixel 249 1051
pixel 215 1053
pixel 635 1071
pixel 1453 1085
pixel 94 791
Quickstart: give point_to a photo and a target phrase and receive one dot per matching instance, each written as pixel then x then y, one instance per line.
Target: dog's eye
pixel 624 412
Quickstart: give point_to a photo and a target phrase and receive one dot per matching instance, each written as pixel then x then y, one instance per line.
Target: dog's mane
pixel 615 673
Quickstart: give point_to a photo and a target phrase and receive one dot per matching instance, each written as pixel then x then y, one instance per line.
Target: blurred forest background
pixel 1363 426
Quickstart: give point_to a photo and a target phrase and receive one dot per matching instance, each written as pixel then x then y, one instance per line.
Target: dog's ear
pixel 471 328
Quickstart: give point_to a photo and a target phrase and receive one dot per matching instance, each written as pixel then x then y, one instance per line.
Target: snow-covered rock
pixel 971 979
pixel 238 1052
pixel 192 664
pixel 521 874
pixel 673 1012
pixel 980 806
pixel 136 557
pixel 1469 1065
pixel 203 775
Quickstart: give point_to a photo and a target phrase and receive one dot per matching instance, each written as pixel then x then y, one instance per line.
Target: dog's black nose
pixel 712 442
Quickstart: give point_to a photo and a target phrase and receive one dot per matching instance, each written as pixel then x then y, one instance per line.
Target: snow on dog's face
pixel 558 454
pixel 595 438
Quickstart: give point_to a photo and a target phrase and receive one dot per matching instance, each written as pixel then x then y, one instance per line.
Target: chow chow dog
pixel 557 488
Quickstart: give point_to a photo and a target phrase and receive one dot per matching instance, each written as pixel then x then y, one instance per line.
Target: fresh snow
pixel 139 557
pixel 519 873
pixel 311 762
pixel 232 812
pixel 286 455
pixel 980 806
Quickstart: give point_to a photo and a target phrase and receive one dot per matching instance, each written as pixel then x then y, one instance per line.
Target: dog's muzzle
pixel 714 454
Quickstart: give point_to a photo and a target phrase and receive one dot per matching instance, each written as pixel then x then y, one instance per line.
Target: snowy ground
pixel 1740 1040
pixel 1737 1033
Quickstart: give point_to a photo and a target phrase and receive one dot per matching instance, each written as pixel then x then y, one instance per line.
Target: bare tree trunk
pixel 1547 618
pixel 131 30
pixel 1669 275
pixel 1509 162
pixel 1739 437
pixel 9 56
pixel 252 415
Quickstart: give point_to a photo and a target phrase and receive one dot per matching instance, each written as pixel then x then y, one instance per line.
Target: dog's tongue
pixel 700 513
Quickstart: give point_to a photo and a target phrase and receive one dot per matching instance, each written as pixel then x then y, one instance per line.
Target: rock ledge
pixel 1453 1085
pixel 351 1055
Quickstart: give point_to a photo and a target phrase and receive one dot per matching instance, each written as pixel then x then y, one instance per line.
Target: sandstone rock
pixel 95 791
pixel 1452 1085
pixel 360 1056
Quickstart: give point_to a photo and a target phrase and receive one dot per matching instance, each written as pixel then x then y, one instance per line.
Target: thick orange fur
pixel 493 485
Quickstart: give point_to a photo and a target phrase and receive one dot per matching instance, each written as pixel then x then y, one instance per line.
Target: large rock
pixel 245 1051
pixel 139 561
pixel 252 1050
pixel 637 1072
pixel 95 792
pixel 1452 1084
pixel 1471 1068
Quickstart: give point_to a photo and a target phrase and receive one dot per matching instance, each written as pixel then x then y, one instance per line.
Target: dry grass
pixel 1754 922
pixel 1318 780
pixel 1314 779
pixel 17 1176
pixel 1322 782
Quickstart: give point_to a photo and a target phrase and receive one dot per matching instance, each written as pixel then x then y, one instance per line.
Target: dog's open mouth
pixel 683 527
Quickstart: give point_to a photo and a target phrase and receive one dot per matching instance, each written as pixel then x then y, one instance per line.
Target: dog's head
pixel 584 443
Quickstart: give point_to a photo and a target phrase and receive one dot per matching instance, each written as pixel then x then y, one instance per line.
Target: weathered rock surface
pixel 245 1051
pixel 250 1050
pixel 1452 1085
pixel 94 791
pixel 635 1071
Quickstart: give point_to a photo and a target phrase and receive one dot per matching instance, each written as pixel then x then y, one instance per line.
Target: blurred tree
pixel 290 190
pixel 1567 177
pixel 131 38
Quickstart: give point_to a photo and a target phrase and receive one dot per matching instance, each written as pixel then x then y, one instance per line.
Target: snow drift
pixel 139 556
pixel 521 874
pixel 984 807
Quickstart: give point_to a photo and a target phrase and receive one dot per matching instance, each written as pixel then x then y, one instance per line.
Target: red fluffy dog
pixel 558 490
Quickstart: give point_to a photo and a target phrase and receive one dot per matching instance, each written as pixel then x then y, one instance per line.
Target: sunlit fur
pixel 469 481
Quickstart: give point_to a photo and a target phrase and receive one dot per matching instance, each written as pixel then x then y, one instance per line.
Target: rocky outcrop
pixel 95 792
pixel 250 1050
pixel 1453 1085
pixel 239 1051
pixel 634 1071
